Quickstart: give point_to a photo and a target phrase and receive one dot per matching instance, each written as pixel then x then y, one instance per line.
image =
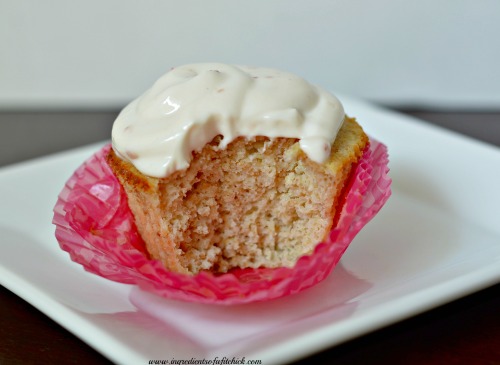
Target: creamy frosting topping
pixel 190 105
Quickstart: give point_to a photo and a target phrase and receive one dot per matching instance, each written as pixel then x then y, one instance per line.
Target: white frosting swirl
pixel 190 105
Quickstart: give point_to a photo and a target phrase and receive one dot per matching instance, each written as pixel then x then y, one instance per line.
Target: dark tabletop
pixel 466 331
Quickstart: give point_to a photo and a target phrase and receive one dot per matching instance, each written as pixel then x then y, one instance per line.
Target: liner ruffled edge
pixel 95 226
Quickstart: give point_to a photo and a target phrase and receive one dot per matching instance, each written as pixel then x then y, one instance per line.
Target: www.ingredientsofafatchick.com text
pixel 215 361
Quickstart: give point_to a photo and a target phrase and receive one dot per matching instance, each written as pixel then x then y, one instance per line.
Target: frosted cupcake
pixel 224 185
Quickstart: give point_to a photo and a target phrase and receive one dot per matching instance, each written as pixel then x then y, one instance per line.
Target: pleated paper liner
pixel 95 226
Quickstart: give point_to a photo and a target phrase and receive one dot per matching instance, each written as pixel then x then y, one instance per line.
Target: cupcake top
pixel 190 105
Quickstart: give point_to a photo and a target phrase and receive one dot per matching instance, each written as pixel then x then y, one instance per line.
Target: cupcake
pixel 229 167
pixel 224 185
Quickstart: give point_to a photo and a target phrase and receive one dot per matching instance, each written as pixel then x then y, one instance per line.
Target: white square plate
pixel 437 239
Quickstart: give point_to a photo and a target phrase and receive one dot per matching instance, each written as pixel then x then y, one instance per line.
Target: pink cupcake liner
pixel 95 226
